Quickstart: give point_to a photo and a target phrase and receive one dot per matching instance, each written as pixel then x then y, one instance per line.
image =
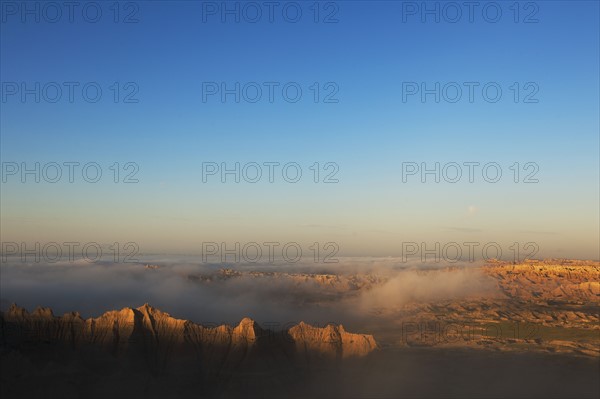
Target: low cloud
pixel 181 288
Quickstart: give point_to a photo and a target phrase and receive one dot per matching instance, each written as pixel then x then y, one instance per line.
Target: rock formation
pixel 118 331
pixel 122 350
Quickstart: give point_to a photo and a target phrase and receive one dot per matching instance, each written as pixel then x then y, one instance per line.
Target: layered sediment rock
pixel 535 281
pixel 331 341
pixel 144 352
pixel 118 331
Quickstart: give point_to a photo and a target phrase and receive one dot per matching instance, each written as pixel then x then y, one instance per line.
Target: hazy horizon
pixel 172 146
pixel 406 191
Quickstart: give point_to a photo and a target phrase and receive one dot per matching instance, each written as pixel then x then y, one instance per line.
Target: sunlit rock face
pixel 331 341
pixel 112 353
pixel 569 281
pixel 155 333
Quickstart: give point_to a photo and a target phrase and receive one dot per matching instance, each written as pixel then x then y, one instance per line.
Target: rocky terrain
pixel 298 287
pixel 158 333
pixel 548 306
pixel 548 281
pixel 336 282
pixel 144 343
pixel 534 315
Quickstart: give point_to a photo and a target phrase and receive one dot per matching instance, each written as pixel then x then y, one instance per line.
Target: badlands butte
pixel 527 329
pixel 548 306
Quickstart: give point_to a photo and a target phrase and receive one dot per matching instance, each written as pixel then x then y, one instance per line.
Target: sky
pixel 162 122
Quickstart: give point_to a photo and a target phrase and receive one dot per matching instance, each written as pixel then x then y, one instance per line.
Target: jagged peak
pixel 327 327
pixel 152 311
pixel 148 309
pixel 43 312
pixel 248 329
pixel 15 310
pixel 72 315
pixel 126 312
pixel 147 306
pixel 247 321
pixel 13 306
pixel 331 338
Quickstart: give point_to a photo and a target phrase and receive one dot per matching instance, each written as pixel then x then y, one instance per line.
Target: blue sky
pixel 367 54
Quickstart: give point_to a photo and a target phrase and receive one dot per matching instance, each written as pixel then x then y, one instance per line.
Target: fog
pixel 93 288
pixel 416 285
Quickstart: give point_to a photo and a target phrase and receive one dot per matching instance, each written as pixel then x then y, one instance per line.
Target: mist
pixel 94 288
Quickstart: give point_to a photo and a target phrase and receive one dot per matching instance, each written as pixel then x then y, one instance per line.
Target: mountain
pixel 127 345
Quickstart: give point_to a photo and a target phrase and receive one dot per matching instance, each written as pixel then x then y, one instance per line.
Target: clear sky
pixel 366 58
